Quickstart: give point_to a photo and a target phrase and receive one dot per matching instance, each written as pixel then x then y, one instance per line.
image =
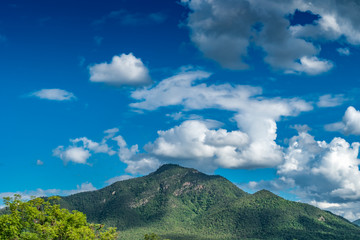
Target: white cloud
pixel 93 146
pixel 53 94
pixel 350 124
pixel 118 178
pixel 255 115
pixel 27 195
pixel 224 30
pixel 313 65
pixel 39 162
pixel 72 154
pixel 343 51
pixel 84 187
pixel 184 89
pixel 137 163
pixel 350 210
pixel 330 100
pixel 339 19
pixel 82 148
pixel 125 69
pixel 195 144
pixel 323 174
pixel 334 167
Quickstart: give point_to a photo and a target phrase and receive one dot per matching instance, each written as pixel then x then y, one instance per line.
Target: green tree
pixel 153 236
pixel 44 219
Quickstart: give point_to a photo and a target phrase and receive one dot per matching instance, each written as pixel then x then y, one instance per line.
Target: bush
pixel 43 219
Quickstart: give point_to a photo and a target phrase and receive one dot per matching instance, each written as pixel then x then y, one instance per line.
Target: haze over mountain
pixel 183 203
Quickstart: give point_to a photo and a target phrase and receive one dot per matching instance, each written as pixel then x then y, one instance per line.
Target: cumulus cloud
pixel 330 100
pixel 125 69
pixel 72 154
pixel 194 143
pixel 323 174
pixel 82 148
pixel 225 30
pixel 323 171
pixel 184 89
pixel 255 115
pixel 350 124
pixel 311 66
pixel 54 94
pixel 349 210
pixel 136 163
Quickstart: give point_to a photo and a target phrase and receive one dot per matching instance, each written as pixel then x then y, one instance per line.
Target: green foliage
pixel 40 219
pixel 151 236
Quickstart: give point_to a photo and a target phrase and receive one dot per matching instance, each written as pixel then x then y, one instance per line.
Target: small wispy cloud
pixel 39 162
pixel 54 94
pixel 330 100
pixel 125 17
pixel 343 51
pixel 118 178
pixel 27 195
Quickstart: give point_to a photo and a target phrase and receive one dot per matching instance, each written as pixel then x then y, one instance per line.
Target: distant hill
pixel 183 203
pixel 357 222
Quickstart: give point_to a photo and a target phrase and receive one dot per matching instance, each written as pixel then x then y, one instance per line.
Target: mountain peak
pixel 265 192
pixel 173 168
pixel 168 166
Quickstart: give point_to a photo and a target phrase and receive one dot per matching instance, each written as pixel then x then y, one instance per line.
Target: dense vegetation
pixel 40 219
pixel 182 203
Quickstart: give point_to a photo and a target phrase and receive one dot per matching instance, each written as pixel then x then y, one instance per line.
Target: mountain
pixel 183 203
pixel 357 222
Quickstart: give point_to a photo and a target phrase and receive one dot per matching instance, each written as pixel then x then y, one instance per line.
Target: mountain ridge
pixel 183 203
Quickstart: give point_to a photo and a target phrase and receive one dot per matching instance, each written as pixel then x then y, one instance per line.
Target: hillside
pixel 183 203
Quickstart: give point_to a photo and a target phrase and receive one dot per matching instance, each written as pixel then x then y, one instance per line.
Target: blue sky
pixel 263 93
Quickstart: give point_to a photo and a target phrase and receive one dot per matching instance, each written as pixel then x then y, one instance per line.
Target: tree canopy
pixel 44 219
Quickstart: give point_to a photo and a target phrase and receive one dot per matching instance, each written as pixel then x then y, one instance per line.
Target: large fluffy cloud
pixel 324 174
pixel 224 30
pixel 194 143
pixel 255 115
pixel 125 69
pixel 325 171
pixel 350 124
pixel 53 94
